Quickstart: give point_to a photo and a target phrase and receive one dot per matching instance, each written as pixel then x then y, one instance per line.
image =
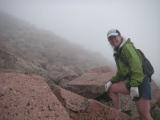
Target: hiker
pixel 130 78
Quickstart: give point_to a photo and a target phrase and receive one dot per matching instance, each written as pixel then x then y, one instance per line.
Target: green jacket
pixel 129 64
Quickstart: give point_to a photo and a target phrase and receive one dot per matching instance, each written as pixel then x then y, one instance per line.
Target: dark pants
pixel 145 89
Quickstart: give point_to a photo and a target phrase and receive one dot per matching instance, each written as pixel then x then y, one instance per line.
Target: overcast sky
pixel 86 22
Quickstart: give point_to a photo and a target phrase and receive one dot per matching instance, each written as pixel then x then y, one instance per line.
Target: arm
pixel 135 65
pixel 116 77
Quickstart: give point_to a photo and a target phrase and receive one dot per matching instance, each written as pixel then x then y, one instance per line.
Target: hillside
pixel 27 49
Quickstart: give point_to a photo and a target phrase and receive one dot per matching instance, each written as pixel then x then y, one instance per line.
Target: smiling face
pixel 115 41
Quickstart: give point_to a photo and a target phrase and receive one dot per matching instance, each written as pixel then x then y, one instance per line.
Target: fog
pixel 86 22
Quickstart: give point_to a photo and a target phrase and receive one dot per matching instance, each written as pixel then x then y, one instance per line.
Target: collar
pixel 121 45
pixel 123 42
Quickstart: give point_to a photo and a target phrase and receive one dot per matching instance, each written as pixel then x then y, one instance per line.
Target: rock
pixel 156 113
pixel 25 97
pixel 102 112
pixel 62 74
pixel 81 108
pixel 90 85
pixel 100 70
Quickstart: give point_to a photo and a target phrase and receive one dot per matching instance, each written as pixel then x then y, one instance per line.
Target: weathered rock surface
pixel 90 84
pixel 81 108
pixel 25 97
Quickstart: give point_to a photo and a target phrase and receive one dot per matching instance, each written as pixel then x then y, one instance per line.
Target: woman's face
pixel 115 41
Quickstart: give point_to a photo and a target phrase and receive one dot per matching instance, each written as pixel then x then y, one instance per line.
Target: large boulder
pixel 81 108
pixel 25 97
pixel 90 84
pixel 62 74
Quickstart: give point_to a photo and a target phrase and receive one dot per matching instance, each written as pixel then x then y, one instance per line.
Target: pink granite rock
pixel 81 108
pixel 25 97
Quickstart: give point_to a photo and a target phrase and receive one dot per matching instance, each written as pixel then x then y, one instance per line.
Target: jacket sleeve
pixel 135 65
pixel 116 78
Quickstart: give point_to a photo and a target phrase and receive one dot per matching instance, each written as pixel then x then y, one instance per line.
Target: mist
pixel 86 22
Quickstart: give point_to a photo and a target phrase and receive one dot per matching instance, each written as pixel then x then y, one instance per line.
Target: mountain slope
pixel 25 48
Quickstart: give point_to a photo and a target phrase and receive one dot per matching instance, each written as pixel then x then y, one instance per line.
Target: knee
pixel 118 88
pixel 112 89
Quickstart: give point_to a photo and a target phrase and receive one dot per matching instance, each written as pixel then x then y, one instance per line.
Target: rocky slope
pixel 27 49
pixel 28 97
pixel 25 97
